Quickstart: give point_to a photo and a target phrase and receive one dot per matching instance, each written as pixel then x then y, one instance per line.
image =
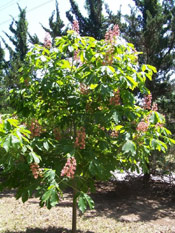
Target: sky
pixel 38 12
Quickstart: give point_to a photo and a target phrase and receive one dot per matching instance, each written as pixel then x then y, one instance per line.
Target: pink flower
pixel 159 125
pixel 76 57
pixel 47 41
pixel 75 26
pixel 35 170
pixel 80 138
pixel 115 100
pixel 69 168
pixel 35 128
pixel 154 107
pixel 111 35
pixel 147 102
pixel 114 134
pixel 57 134
pixel 142 126
pixel 83 89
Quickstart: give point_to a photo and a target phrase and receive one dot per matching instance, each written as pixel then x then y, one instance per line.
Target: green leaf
pixel 82 204
pixel 112 69
pixel 7 143
pixel 46 195
pixel 29 158
pixel 13 122
pixel 172 140
pixel 85 200
pixel 89 201
pixel 158 145
pixel 131 83
pixel 14 139
pixel 153 118
pixel 153 68
pixel 115 117
pixel 93 86
pixel 46 145
pixel 118 127
pixel 36 158
pixel 25 196
pixel 143 67
pixel 54 199
pixel 129 146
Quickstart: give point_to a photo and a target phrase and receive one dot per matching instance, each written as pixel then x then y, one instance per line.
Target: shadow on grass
pixel 134 201
pixel 7 193
pixel 48 230
pixel 128 201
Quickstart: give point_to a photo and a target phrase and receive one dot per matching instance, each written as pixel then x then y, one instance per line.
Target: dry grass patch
pixel 121 207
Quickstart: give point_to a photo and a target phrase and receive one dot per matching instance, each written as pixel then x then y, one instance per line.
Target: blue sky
pixel 39 11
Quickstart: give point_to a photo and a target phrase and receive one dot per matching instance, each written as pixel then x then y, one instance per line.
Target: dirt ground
pixel 120 207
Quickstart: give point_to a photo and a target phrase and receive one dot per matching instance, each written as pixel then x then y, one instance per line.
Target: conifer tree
pixel 2 88
pixel 95 24
pixel 18 48
pixel 56 27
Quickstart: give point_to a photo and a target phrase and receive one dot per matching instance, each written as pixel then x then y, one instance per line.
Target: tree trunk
pixel 74 212
pixel 147 176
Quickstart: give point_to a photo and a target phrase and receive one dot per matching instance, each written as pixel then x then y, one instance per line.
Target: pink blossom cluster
pixel 147 102
pixel 154 107
pixel 142 126
pixel 47 41
pixel 35 128
pixel 69 168
pixel 114 134
pixel 83 89
pixel 75 26
pixel 112 34
pixel 80 138
pixel 36 170
pixel 76 56
pixel 88 107
pixel 159 125
pixel 108 59
pixel 115 100
pixel 57 134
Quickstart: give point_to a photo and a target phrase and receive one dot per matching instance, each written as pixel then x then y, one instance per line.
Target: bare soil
pixel 120 207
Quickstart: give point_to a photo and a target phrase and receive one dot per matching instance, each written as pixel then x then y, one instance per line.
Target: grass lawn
pixel 120 207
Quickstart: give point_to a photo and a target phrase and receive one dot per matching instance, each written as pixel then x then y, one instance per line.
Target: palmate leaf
pixel 35 157
pixel 158 145
pixel 50 197
pixel 115 117
pixel 85 200
pixel 7 143
pixel 46 145
pixel 46 195
pixel 129 146
pixel 132 84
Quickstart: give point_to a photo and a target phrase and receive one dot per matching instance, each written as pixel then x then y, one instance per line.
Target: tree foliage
pixel 76 101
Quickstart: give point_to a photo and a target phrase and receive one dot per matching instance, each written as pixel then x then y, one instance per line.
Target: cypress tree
pixel 18 49
pixel 56 27
pixel 2 88
pixel 94 24
pixel 151 28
